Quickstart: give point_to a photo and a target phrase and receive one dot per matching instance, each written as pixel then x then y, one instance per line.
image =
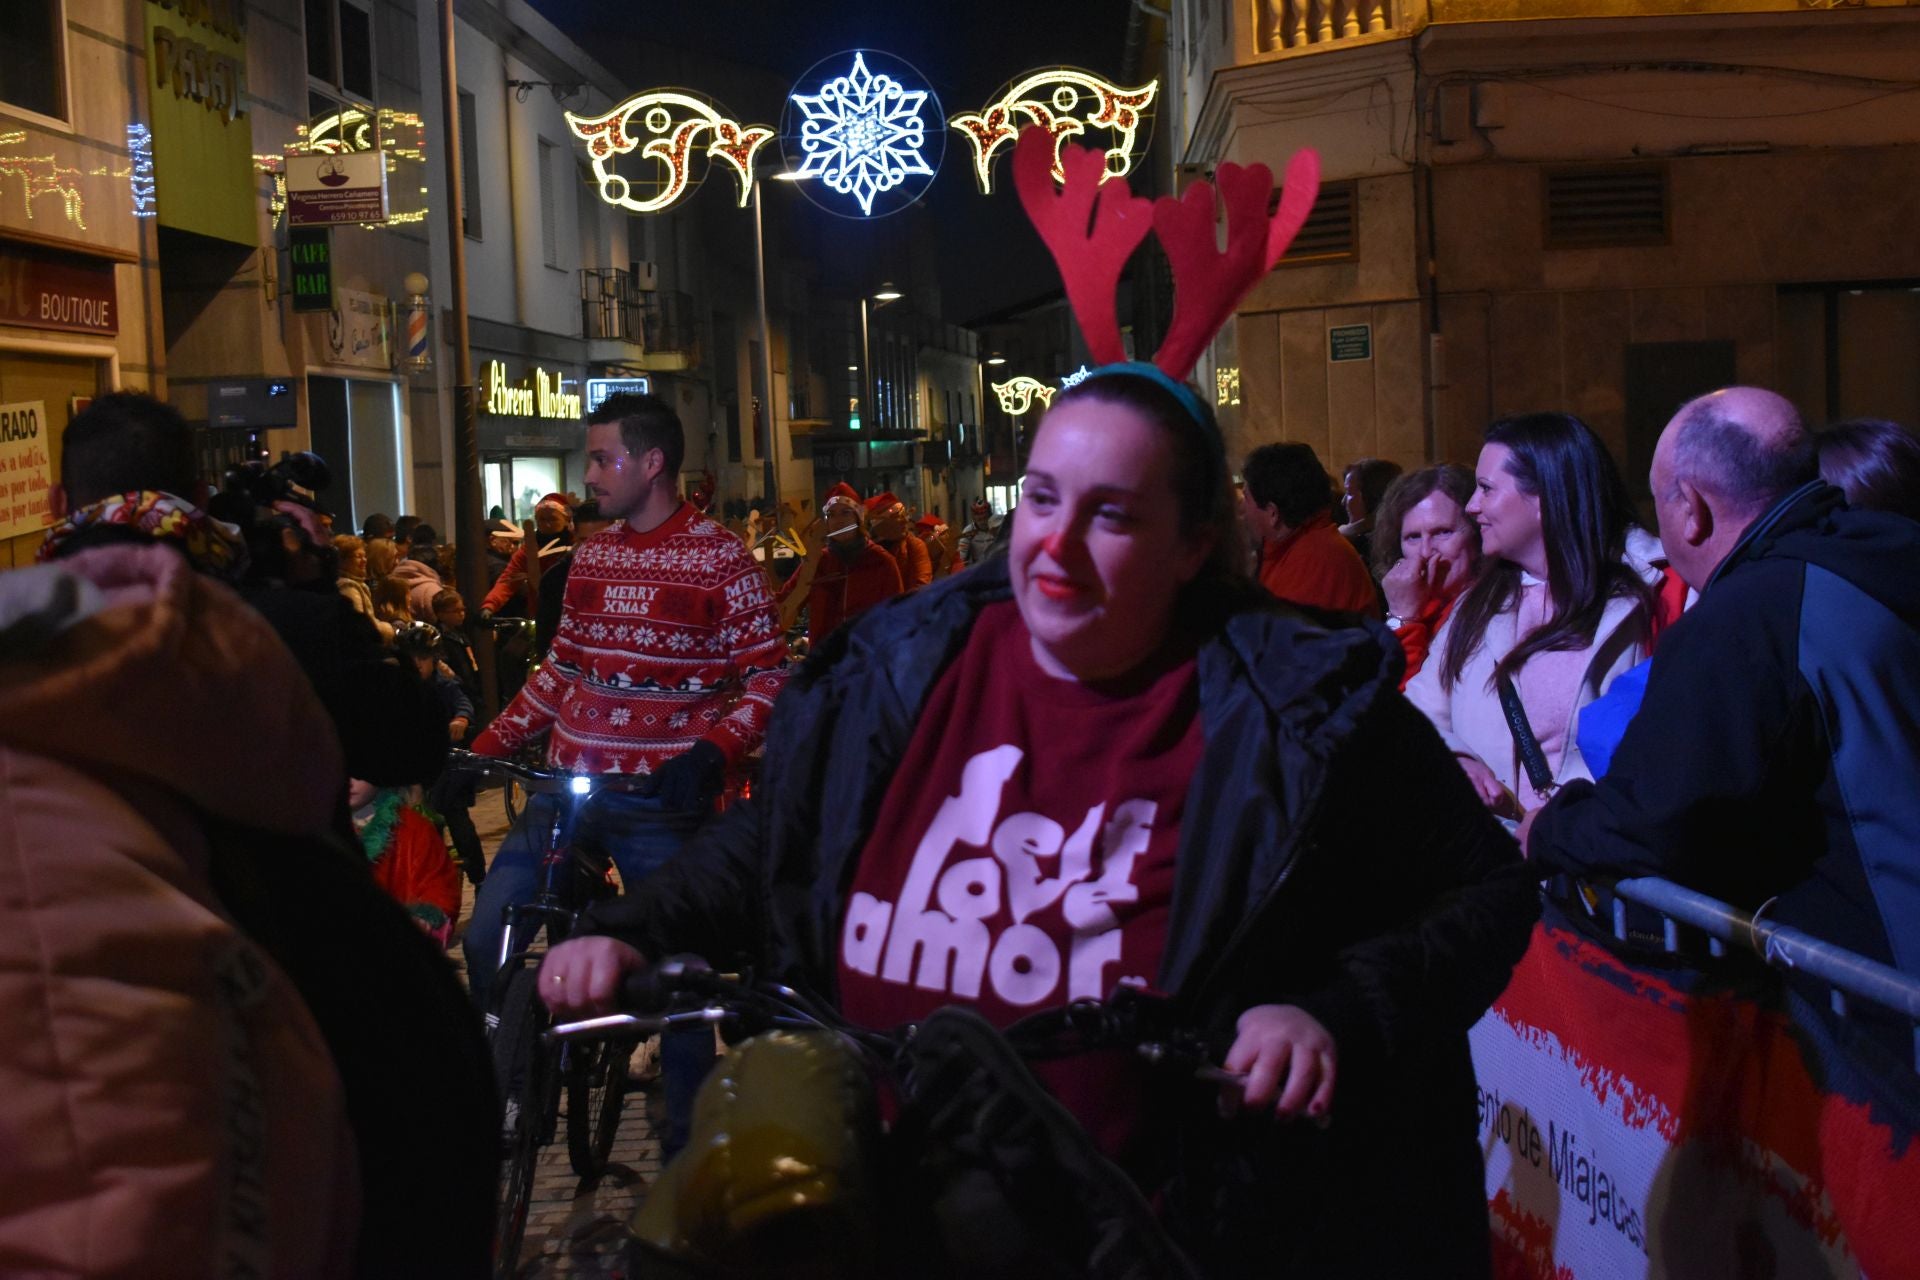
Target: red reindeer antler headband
pixel 1092 226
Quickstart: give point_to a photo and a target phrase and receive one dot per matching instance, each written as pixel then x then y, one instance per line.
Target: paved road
pixel 575 1229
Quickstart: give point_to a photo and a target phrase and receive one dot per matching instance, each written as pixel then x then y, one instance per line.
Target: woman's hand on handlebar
pixel 1280 1044
pixel 581 977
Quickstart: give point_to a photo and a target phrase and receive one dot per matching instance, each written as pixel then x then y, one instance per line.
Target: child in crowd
pixel 409 858
pixel 451 796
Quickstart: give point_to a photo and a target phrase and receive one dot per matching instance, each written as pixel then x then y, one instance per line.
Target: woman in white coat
pixel 1567 601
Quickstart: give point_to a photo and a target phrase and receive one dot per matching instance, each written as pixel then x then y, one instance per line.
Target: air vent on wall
pixel 1331 233
pixel 1601 206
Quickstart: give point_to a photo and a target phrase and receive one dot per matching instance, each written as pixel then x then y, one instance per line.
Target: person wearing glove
pixel 666 661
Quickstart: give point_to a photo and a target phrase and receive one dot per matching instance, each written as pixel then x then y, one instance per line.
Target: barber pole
pixel 419 357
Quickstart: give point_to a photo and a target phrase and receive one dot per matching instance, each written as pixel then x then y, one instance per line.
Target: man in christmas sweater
pixel 667 661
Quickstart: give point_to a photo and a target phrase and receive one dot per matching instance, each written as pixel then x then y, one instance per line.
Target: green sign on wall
pixel 1350 342
pixel 311 276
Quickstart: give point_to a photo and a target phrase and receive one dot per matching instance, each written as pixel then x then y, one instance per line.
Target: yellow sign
pixel 538 395
pixel 202 138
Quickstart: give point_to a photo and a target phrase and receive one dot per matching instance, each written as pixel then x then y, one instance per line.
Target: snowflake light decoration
pixel 863 134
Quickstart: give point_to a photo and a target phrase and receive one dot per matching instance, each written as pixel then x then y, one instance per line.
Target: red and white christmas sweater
pixel 665 638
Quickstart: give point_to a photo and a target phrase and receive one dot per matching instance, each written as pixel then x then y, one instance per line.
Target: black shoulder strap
pixel 1532 758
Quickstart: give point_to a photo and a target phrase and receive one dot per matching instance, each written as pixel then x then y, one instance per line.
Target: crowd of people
pixel 1138 735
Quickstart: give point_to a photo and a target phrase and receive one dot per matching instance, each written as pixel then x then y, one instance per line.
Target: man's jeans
pixel 630 828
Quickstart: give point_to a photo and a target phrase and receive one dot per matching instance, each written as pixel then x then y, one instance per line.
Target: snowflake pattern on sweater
pixel 665 638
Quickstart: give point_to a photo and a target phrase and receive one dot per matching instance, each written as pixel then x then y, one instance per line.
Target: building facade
pixel 1602 206
pixel 79 272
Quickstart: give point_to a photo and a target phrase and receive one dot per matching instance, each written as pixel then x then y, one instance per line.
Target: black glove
pixel 689 782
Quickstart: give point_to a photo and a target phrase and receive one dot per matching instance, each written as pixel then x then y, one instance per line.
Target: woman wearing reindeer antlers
pixel 1107 760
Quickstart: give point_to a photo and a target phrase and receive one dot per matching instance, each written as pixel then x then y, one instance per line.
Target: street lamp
pixel 996 359
pixel 770 460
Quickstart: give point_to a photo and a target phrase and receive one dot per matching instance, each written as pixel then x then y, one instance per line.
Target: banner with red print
pixel 1678 1124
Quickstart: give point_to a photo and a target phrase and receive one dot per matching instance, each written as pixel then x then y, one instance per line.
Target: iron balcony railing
pixel 613 306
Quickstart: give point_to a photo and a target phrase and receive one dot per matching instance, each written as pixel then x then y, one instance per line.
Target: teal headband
pixel 1186 396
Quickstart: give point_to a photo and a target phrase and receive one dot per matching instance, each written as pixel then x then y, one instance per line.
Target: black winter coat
pixel 1333 857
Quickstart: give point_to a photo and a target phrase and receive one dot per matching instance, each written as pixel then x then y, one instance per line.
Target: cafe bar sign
pixel 41 289
pixel 539 394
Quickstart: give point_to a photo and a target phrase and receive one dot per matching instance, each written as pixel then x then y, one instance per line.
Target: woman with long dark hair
pixel 1565 602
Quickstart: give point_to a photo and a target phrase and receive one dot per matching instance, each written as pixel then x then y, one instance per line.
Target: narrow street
pixel 575 1229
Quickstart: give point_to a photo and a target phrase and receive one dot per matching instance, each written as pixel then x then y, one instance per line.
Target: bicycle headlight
pixel 580 785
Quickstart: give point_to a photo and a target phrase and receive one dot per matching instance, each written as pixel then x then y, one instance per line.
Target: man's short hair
pixel 377 526
pixel 421 540
pixel 123 441
pixel 1713 450
pixel 646 422
pixel 1289 477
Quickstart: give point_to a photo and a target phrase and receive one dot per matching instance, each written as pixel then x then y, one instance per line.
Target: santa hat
pixel 505 529
pixel 928 524
pixel 554 500
pixel 842 490
pixel 881 501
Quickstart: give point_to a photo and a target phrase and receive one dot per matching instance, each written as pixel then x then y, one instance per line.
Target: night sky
pixel 989 256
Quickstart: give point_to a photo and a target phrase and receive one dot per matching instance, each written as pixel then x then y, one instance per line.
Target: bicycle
pixel 530 1070
pixel 767 1189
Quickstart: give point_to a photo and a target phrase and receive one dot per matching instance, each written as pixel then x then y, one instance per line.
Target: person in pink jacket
pixel 168 1106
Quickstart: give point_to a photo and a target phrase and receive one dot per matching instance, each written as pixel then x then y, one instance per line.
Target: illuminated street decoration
pixel 1075 378
pixel 674 120
pixel 1018 394
pixel 1226 385
pixel 1064 102
pixel 863 134
pixel 42 176
pixel 140 176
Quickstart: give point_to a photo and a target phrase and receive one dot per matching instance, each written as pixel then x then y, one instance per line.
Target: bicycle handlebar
pixel 1128 1020
pixel 548 781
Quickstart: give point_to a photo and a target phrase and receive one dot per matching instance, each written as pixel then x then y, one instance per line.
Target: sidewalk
pixel 575 1229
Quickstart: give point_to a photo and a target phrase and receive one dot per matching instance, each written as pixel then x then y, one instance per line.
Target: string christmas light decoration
pixel 1101 104
pixel 863 133
pixel 1018 394
pixel 670 123
pixel 1092 225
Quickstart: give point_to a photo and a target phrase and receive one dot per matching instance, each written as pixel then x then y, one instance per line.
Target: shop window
pixel 33 73
pixel 357 429
pixel 51 386
pixel 340 47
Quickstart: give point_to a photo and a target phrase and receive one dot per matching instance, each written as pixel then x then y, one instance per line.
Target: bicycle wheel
pixel 596 1091
pixel 523 1068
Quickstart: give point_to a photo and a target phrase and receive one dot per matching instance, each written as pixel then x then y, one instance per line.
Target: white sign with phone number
pixel 26 473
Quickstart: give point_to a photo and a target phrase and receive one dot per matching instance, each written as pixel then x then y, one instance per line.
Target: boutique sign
pixel 538 394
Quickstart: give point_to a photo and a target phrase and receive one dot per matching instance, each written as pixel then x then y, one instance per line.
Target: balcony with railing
pixel 623 323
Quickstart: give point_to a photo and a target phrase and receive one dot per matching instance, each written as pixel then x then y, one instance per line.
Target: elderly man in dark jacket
pixel 1776 753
